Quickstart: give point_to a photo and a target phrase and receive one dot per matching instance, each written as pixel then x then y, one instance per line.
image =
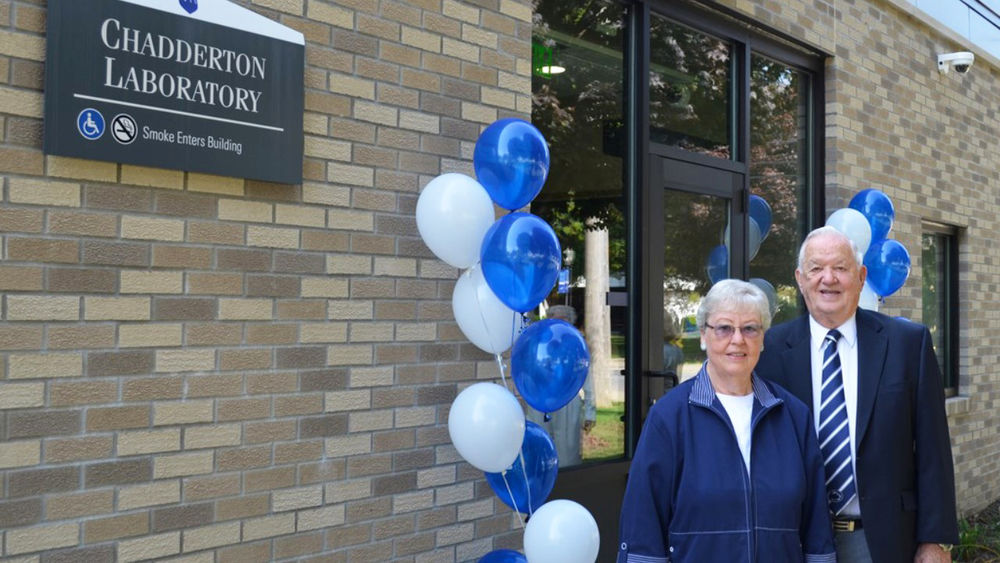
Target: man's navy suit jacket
pixel 905 476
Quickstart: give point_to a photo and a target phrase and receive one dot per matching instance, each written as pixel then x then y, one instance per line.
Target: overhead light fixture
pixel 553 69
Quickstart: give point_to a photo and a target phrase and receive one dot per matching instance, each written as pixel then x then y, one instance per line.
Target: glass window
pixel 577 97
pixel 779 178
pixel 690 89
pixel 939 272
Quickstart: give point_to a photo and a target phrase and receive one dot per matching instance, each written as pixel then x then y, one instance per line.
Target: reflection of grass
pixel 617 345
pixel 607 438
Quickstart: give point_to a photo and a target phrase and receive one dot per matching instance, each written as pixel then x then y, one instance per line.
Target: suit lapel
pixel 872 347
pixel 797 361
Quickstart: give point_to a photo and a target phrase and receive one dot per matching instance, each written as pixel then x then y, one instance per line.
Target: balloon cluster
pixel 867 221
pixel 511 264
pixel 758 228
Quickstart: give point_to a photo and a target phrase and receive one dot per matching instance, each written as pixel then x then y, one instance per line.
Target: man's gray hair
pixel 734 295
pixel 828 230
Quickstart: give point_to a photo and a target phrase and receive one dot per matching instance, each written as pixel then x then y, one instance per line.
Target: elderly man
pixel 876 394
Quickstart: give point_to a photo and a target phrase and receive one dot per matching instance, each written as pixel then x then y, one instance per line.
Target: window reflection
pixel 690 83
pixel 577 92
pixel 779 157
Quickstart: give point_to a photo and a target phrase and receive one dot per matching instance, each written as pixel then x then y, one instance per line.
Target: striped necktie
pixel 834 432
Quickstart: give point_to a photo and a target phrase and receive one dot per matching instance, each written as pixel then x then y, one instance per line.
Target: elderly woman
pixel 727 468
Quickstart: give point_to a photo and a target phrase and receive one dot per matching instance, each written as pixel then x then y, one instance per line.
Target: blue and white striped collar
pixel 702 392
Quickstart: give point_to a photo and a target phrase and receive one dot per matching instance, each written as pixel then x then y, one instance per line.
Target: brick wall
pixel 203 368
pixel 931 142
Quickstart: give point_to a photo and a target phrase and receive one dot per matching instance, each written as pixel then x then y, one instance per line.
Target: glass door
pixel 697 235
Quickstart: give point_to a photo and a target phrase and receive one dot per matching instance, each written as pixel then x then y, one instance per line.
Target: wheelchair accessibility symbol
pixel 90 124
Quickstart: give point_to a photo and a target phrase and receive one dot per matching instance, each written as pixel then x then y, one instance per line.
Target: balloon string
pixel 503 378
pixel 527 486
pixel 513 501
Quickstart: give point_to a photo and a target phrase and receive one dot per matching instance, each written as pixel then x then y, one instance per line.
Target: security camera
pixel 961 61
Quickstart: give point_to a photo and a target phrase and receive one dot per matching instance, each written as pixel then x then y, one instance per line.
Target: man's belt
pixel 846 524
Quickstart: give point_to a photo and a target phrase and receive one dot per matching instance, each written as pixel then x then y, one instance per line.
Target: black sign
pixel 209 88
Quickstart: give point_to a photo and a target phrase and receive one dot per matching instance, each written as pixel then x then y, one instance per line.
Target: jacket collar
pixel 703 394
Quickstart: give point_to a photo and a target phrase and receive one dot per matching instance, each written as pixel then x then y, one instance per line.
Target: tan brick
pixel 179 465
pixel 77 337
pixel 246 309
pixel 244 409
pixel 63 450
pixel 331 14
pixel 38 366
pixel 420 39
pixel 211 486
pixel 182 412
pixel 356 175
pixel 184 360
pixel 149 547
pixel 348 400
pixel 251 211
pixel 325 517
pixel 215 233
pixel 28 540
pixel 325 194
pixel 299 215
pixel 297 499
pixel 340 265
pixel 346 490
pixel 149 494
pixel 76 168
pixel 215 184
pixel 269 479
pixel 272 237
pixel 268 526
pixel 20 337
pixel 206 537
pixel 150 336
pixel 44 192
pixel 149 441
pixel 20 278
pixel 242 507
pixel 349 445
pixel 20 454
pixel 21 102
pixel 349 354
pixel 152 177
pixel 132 281
pixel 214 283
pixel 117 418
pixel 63 506
pixel 126 525
pixel 42 308
pixel 215 385
pixel 117 308
pixel 323 333
pixel 212 436
pixel 62 394
pixel 21 395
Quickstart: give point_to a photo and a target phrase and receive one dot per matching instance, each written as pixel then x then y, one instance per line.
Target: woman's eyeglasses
pixel 727 331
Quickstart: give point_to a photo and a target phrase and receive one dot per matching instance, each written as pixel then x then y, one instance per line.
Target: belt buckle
pixel 843 525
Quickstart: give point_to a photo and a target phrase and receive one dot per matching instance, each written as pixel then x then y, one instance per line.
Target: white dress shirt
pixel 847 348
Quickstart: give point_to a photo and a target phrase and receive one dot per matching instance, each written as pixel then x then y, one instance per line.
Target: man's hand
pixel 588 425
pixel 931 553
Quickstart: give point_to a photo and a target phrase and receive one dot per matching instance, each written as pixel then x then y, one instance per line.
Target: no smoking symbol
pixel 124 128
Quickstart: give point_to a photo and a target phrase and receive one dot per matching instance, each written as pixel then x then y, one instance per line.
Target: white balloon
pixel 485 320
pixel 453 214
pixel 852 223
pixel 486 425
pixel 869 299
pixel 754 238
pixel 768 289
pixel 563 531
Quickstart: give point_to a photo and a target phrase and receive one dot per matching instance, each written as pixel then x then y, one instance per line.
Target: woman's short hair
pixel 730 295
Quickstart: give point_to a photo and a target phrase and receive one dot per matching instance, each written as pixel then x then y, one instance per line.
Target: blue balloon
pixel 718 263
pixel 888 265
pixel 511 160
pixel 877 208
pixel 520 260
pixel 535 480
pixel 760 211
pixel 549 364
pixel 503 556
